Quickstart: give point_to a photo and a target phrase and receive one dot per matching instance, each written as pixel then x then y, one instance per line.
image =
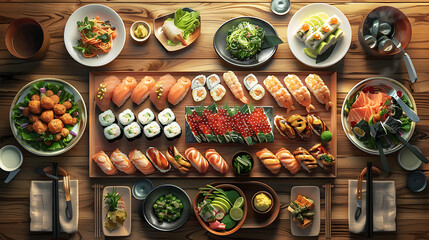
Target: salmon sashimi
pixel 141 162
pixel 123 91
pixel 121 161
pixel 366 105
pixel 103 161
pixel 179 90
pixel 299 91
pixel 234 85
pixel 104 92
pixel 279 92
pixel 141 92
pixel 159 92
pixel 288 160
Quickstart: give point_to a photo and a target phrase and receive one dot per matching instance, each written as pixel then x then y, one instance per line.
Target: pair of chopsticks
pixel 97 208
pixel 369 226
pixel 328 215
pixel 55 203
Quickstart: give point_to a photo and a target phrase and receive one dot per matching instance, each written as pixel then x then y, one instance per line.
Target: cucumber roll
pixel 107 118
pixel 172 131
pixel 166 117
pixel 112 132
pixel 132 131
pixel 146 116
pixel 152 130
pixel 126 117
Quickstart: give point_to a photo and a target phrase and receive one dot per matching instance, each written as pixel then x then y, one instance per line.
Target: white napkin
pixel 41 206
pixel 384 207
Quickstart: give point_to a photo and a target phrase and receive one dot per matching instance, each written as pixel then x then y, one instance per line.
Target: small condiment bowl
pixel 400 156
pixel 268 195
pixel 134 27
pixel 142 188
pixel 242 153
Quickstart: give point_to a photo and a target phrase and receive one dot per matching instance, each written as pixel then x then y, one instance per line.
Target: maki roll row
pixel 213 83
pixel 255 89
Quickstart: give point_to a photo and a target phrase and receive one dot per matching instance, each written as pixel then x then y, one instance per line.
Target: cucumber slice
pixel 310 53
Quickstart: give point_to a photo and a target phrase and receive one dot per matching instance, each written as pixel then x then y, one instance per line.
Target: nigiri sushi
pixel 158 159
pixel 121 161
pixel 234 85
pixel 104 163
pixel 123 91
pixel 280 93
pixel 179 90
pixel 159 92
pixel 288 160
pixel 299 91
pixel 141 162
pixel 217 161
pixel 141 92
pixel 173 33
pixel 319 89
pixel 197 160
pixel 104 92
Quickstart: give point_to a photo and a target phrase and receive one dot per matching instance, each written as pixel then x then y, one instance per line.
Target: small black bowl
pixel 238 154
pixel 151 198
pixel 219 42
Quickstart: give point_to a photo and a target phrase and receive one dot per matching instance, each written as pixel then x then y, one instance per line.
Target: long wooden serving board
pixel 98 142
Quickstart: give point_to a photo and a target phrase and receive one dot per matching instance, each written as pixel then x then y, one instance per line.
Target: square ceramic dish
pixel 312 192
pixel 124 230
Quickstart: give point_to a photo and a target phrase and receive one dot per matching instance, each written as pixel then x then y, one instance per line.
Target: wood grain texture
pixel 412 208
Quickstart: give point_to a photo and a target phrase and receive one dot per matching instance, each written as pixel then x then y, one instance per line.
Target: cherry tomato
pixel 399 93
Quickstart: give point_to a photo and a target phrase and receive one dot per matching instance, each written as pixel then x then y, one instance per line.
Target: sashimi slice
pixel 141 92
pixel 123 91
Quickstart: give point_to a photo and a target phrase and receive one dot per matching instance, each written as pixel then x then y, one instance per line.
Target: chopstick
pixel 328 217
pixel 55 203
pixel 369 226
pixel 97 209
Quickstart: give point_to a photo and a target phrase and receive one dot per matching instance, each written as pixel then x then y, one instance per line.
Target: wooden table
pixel 412 208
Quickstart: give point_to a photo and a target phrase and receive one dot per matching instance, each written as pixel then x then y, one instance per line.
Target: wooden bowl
pixel 199 197
pixel 395 18
pixel 241 153
pixel 269 196
pixel 27 39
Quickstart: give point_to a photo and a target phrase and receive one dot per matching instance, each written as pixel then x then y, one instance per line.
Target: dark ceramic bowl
pixel 395 18
pixel 240 153
pixel 149 214
pixel 219 42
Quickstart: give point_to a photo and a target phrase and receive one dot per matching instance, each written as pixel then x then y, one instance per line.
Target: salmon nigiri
pixel 159 92
pixel 122 162
pixel 141 162
pixel 288 160
pixel 103 161
pixel 104 92
pixel 179 90
pixel 123 91
pixel 141 92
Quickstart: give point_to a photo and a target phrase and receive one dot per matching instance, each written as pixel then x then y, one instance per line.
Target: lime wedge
pixel 319 19
pixel 323 15
pixel 310 53
pixel 236 213
pixel 315 22
pixel 239 202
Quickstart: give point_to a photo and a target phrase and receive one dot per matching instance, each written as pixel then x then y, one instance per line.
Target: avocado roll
pixel 112 132
pixel 126 117
pixel 107 118
pixel 132 131
pixel 166 117
pixel 152 130
pixel 146 116
pixel 172 131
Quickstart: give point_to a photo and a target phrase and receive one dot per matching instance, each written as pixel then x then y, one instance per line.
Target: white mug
pixel 10 160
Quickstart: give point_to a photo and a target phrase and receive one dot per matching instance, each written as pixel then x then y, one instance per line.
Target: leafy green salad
pixel 244 41
pixel 186 21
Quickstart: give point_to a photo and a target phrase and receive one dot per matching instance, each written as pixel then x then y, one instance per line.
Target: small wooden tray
pixel 157 30
pixel 98 142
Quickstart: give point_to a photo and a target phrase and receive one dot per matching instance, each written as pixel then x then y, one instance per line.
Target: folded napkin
pixel 384 207
pixel 41 206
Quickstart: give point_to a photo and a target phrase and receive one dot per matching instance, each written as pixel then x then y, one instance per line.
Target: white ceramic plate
pixel 72 35
pixel 297 47
pixel 313 193
pixel 125 230
pixel 374 82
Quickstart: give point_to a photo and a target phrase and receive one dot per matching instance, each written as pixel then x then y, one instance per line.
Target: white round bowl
pixel 133 28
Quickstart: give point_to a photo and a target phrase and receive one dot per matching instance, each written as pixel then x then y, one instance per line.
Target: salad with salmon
pixel 370 106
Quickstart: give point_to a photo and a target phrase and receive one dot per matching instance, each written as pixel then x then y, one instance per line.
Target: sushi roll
pixel 212 81
pixel 218 92
pixel 326 30
pixel 334 22
pixel 112 132
pixel 199 94
pixel 250 81
pixel 152 130
pixel 199 81
pixel 314 40
pixel 257 92
pixel 126 117
pixel 146 116
pixel 166 117
pixel 132 131
pixel 304 31
pixel 172 131
pixel 107 118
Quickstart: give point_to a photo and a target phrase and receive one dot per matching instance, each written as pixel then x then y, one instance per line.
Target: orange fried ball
pixel 55 98
pixel 55 126
pixel 39 127
pixel 68 104
pixel 26 112
pixel 35 107
pixel 59 109
pixel 33 118
pixel 47 103
pixel 35 97
pixel 47 116
pixel 64 132
pixel 67 119
pixel 49 93
pixel 57 137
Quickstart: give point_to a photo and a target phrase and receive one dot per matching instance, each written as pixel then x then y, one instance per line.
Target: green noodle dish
pixel 245 40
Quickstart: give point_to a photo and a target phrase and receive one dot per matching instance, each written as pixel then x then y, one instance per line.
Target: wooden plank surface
pixel 412 208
